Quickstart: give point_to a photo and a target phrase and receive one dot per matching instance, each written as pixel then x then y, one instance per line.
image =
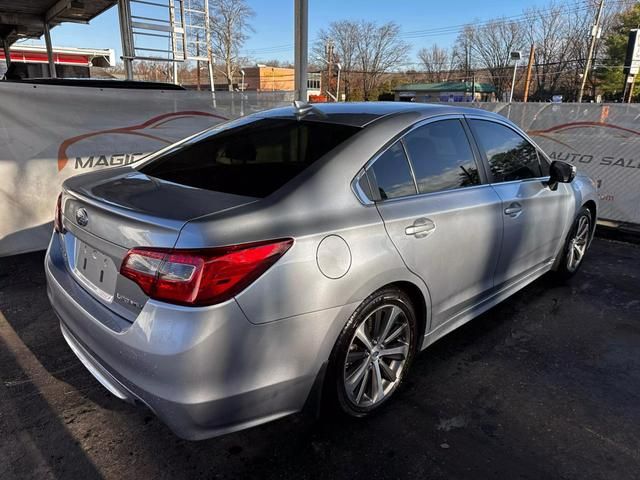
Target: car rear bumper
pixel 203 371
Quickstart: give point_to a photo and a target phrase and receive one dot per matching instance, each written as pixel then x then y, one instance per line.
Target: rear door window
pixel 441 156
pixel 390 175
pixel 510 156
pixel 253 158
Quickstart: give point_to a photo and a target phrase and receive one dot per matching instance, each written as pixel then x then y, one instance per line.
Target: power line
pixel 566 8
pixel 578 6
pixel 520 18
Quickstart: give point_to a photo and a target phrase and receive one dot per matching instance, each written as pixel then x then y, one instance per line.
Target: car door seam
pixel 429 312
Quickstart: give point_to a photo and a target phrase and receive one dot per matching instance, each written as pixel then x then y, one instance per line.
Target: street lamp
pixel 339 67
pixel 516 56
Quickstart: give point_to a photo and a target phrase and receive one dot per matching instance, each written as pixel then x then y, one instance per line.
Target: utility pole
pixel 301 40
pixel 328 50
pixel 595 34
pixel 473 87
pixel 467 58
pixel 527 82
pixel 198 61
pixel 631 85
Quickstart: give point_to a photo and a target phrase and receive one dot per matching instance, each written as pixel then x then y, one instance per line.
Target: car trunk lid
pixel 107 213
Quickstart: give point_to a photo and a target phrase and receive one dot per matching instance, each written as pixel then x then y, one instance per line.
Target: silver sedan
pixel 304 253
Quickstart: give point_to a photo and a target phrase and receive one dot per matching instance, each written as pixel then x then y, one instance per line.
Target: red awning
pixel 36 57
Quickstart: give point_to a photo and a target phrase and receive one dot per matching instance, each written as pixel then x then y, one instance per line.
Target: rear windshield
pixel 253 159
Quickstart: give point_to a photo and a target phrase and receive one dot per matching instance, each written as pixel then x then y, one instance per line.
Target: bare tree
pixel 379 49
pixel 436 62
pixel 152 71
pixel 461 55
pixel 491 45
pixel 230 29
pixel 547 29
pixel 580 34
pixel 344 35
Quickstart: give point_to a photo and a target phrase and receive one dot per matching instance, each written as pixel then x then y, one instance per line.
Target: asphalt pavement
pixel 545 385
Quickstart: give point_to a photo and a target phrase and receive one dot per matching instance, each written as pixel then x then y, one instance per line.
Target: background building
pixel 263 78
pixel 444 92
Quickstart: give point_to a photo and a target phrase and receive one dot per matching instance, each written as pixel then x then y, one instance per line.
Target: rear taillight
pixel 57 221
pixel 200 277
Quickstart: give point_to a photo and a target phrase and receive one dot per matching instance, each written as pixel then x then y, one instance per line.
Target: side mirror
pixel 560 172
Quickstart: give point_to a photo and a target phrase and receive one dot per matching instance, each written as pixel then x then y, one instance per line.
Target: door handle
pixel 513 210
pixel 421 228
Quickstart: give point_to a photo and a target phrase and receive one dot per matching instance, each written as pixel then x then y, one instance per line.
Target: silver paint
pixel 210 370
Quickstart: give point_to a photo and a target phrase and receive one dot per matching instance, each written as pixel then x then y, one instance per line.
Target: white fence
pixel 601 139
pixel 48 133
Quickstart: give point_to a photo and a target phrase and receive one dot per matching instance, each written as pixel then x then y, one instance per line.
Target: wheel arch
pixel 318 393
pixel 419 303
pixel 593 208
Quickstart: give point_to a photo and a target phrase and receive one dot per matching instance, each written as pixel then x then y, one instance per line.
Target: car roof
pixel 361 114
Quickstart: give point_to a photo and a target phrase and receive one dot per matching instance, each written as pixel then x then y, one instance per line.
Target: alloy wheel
pixel 578 244
pixel 377 356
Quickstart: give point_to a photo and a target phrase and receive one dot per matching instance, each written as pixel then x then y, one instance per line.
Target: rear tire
pixel 576 245
pixel 373 353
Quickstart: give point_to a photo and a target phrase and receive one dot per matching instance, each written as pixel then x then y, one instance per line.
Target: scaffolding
pixel 173 31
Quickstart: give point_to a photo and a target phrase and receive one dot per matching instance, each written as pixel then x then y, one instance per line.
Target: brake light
pixel 200 277
pixel 57 220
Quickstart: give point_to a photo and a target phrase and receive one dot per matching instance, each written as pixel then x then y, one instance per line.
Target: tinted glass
pixel 392 175
pixel 363 184
pixel 441 156
pixel 253 158
pixel 510 156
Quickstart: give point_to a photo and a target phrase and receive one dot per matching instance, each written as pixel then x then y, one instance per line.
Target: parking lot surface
pixel 546 385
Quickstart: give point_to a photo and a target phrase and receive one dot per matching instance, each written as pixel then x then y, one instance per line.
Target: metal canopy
pixel 27 18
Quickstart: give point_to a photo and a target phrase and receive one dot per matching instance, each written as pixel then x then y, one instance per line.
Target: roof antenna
pixel 303 109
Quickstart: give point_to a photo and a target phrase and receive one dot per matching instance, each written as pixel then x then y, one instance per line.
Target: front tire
pixel 576 245
pixel 373 352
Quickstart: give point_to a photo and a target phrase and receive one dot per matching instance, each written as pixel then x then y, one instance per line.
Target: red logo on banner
pixel 154 122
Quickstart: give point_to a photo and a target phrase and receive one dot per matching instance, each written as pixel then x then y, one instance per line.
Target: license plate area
pixel 95 270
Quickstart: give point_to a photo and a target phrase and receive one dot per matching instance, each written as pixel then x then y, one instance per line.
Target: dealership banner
pixel 49 133
pixel 602 140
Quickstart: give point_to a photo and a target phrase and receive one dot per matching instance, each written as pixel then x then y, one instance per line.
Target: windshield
pixel 253 159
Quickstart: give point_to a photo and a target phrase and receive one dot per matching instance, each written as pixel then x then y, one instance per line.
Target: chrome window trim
pixel 398 138
pixel 440 192
pixel 507 123
pixel 536 179
pixel 406 154
pixel 401 135
pixel 357 190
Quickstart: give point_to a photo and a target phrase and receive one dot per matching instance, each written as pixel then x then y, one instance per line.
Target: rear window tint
pixel 392 175
pixel 253 159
